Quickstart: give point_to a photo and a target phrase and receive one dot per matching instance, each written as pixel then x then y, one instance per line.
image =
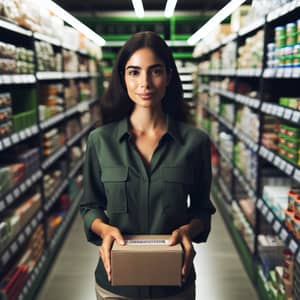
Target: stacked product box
pixel 51 182
pixel 285 51
pixel 52 141
pixel 51 101
pixel 47 59
pixel 291 102
pixel 16 218
pixel 6 125
pixel 292 212
pixel 289 143
pixel 15 60
pixel 15 279
pixel 270 133
pixel 10 176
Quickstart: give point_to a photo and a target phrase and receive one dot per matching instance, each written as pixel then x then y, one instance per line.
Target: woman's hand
pixel 182 235
pixel 108 235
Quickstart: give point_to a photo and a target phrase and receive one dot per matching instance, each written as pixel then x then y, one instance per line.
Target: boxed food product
pixel 146 260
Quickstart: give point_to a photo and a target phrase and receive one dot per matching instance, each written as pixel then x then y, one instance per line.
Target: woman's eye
pixel 157 72
pixel 133 73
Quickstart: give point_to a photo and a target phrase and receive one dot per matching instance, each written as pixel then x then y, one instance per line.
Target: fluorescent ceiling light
pixel 170 7
pixel 68 18
pixel 226 11
pixel 138 8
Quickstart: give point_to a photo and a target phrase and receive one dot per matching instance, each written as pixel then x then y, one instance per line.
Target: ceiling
pixel 92 6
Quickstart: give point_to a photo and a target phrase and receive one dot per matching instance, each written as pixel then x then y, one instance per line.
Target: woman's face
pixel 146 78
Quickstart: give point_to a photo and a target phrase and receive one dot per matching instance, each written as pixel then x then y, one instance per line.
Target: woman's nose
pixel 145 79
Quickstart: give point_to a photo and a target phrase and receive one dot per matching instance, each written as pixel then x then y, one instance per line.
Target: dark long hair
pixel 116 104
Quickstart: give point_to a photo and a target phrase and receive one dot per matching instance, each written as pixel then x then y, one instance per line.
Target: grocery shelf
pixel 45 38
pixel 282 73
pixel 246 139
pixel 278 226
pixel 55 196
pixel 283 10
pixel 21 238
pixel 282 112
pixel 52 121
pixel 15 28
pixel 40 271
pixel 251 102
pixel 257 24
pixel 17 79
pixel 224 189
pixel 17 137
pixel 13 195
pixel 240 244
pixel 53 158
pixel 77 167
pixel 49 75
pixel 249 72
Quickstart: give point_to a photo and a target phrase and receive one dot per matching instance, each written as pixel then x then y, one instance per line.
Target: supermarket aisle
pixel 220 274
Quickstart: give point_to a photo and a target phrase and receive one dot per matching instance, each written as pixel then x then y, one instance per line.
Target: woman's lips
pixel 146 96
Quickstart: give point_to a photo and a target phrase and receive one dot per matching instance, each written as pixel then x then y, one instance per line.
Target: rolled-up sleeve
pixel 93 202
pixel 201 206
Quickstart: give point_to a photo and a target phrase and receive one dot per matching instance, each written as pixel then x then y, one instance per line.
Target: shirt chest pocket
pixel 114 180
pixel 177 182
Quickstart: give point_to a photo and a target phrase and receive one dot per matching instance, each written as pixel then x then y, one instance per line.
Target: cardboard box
pixel 146 260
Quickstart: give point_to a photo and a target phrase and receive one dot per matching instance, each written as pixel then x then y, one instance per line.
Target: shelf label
pixel 277 161
pixel 289 169
pixel 14 247
pixel 288 113
pixel 6 142
pixel 264 210
pixel 34 222
pixel 296 116
pixel 259 203
pixel 22 135
pixel 276 226
pixel 21 238
pixel 298 257
pixel 270 217
pixel 22 187
pixel 16 192
pixel 9 198
pixel 15 138
pixel 2 205
pixel 296 175
pixel 284 234
pixel 296 72
pixel 5 258
pixel 293 246
pixel 27 231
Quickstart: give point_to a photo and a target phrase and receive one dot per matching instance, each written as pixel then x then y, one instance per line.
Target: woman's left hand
pixel 181 235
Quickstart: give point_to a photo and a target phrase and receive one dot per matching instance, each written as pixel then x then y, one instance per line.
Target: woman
pixel 141 166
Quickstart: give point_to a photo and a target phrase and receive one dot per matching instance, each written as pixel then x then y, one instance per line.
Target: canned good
pixel 291 28
pixel 280 42
pixel 296 225
pixel 298 25
pixel 291 39
pixel 297 206
pixel 292 195
pixel 289 219
pixel 279 31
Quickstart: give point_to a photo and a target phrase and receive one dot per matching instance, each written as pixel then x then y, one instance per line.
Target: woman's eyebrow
pixel 150 67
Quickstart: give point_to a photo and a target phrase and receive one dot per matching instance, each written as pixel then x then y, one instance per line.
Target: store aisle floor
pixel 220 273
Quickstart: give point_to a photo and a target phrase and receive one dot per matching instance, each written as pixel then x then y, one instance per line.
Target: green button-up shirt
pixel 122 191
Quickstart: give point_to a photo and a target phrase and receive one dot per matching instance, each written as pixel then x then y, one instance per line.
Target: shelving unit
pixel 245 162
pixel 77 94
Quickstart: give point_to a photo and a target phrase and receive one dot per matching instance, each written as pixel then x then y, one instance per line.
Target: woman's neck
pixel 146 120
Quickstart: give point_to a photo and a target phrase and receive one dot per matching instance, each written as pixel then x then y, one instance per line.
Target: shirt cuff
pixel 89 218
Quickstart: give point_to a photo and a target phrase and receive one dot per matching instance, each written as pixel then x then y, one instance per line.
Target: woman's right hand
pixel 108 235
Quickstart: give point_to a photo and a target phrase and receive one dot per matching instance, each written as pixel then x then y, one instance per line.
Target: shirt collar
pixel 172 129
